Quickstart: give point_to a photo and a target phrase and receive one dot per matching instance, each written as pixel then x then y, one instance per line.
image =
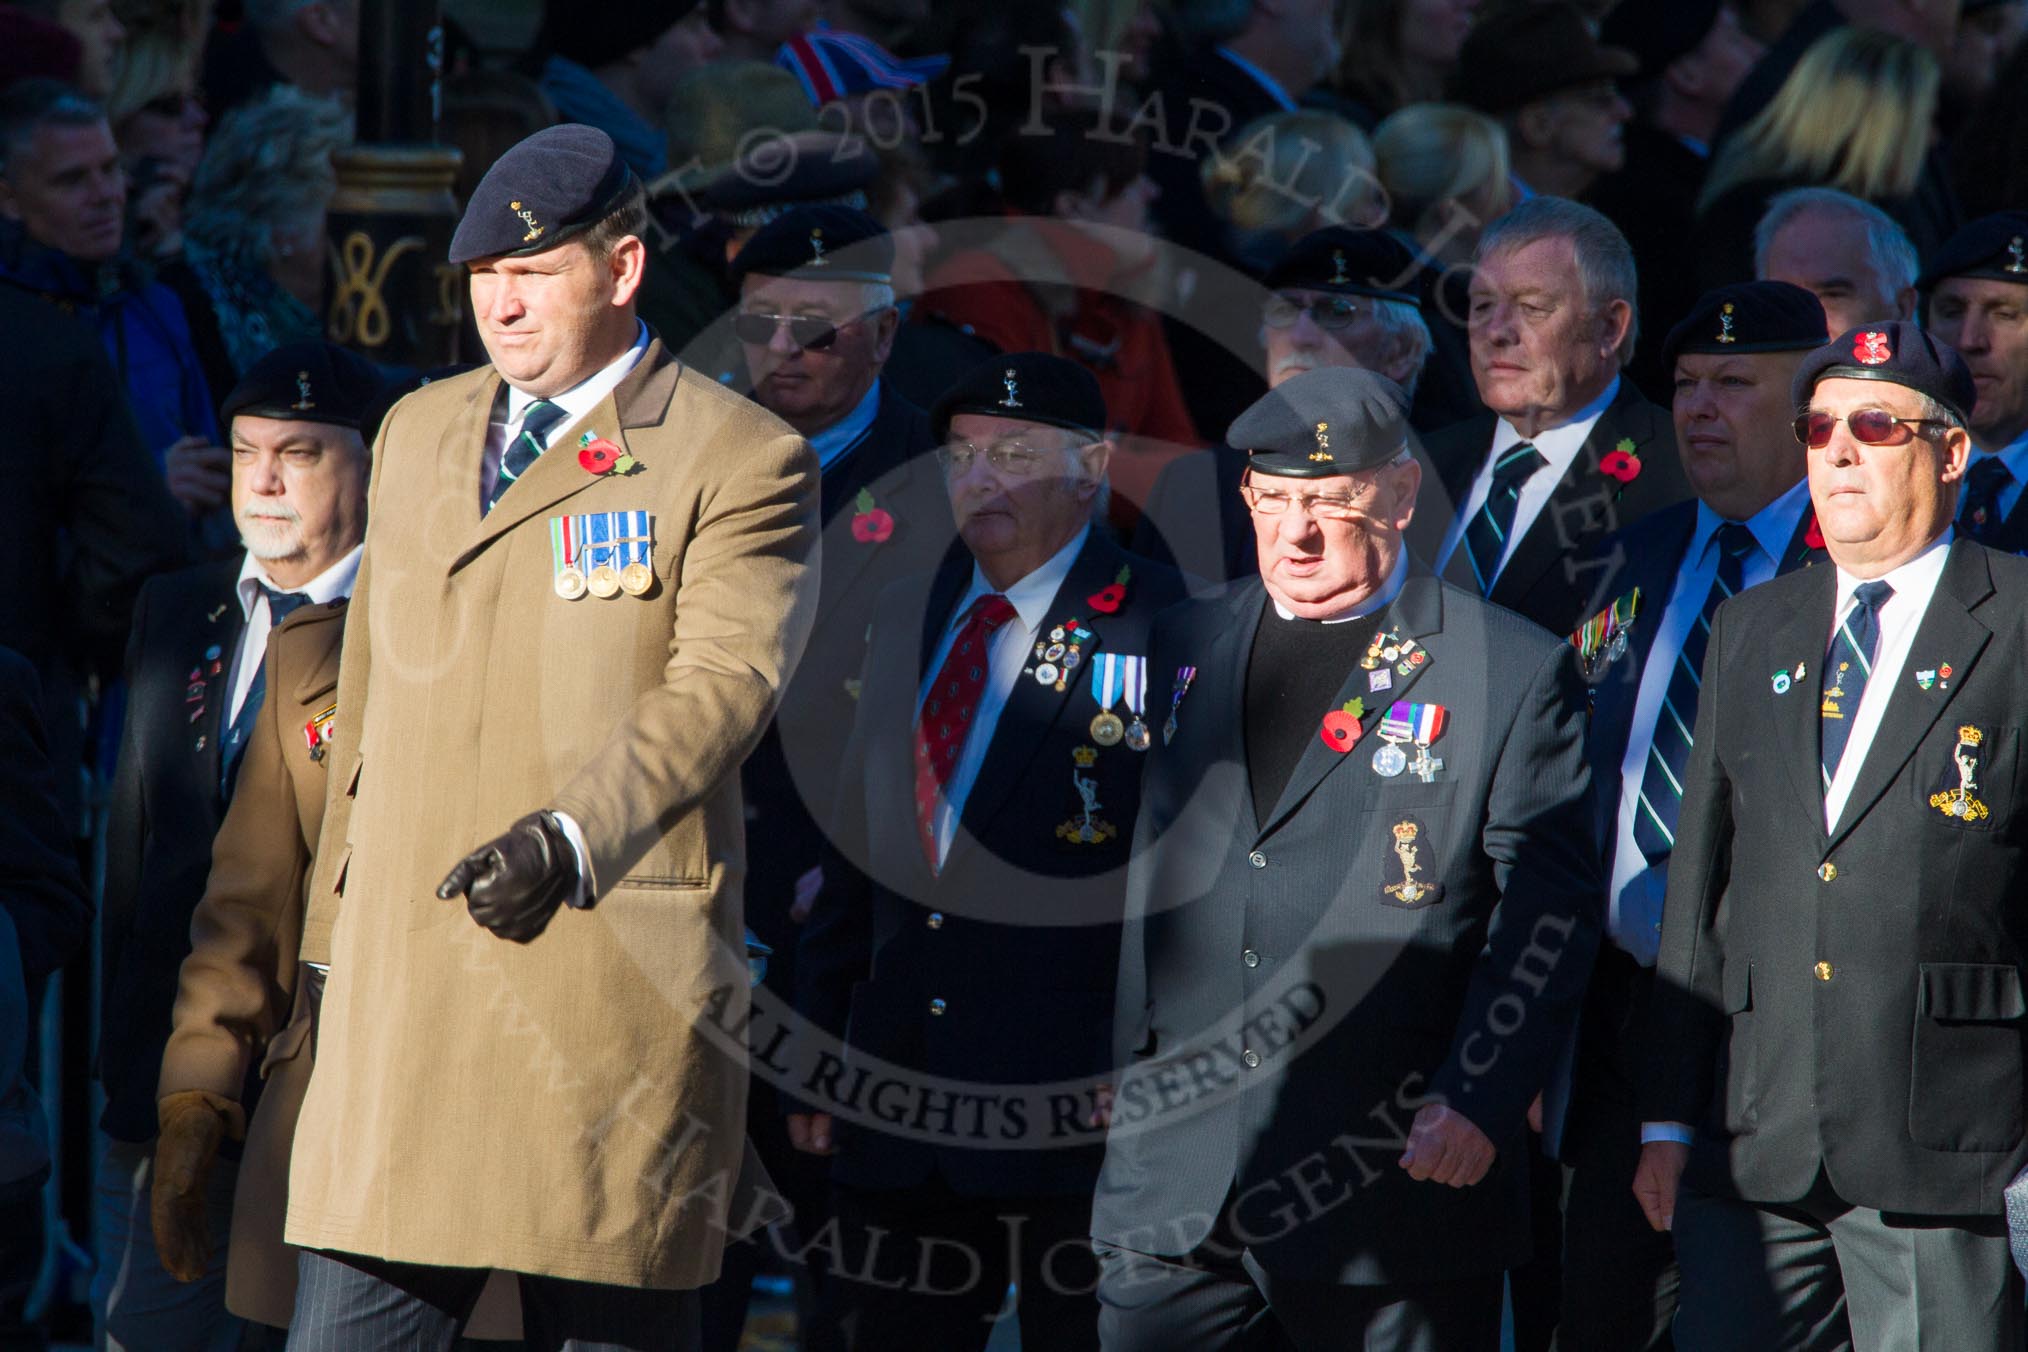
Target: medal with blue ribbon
pixel 637 545
pixel 1108 678
pixel 602 553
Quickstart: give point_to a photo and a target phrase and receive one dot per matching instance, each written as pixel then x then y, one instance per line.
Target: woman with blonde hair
pixel 1857 114
pixel 1287 174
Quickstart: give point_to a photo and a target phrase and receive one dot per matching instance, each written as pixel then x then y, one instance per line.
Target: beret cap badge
pixel 817 259
pixel 1871 348
pixel 1725 333
pixel 1013 395
pixel 528 218
pixel 1323 452
pixel 303 402
pixel 2016 263
pixel 1338 276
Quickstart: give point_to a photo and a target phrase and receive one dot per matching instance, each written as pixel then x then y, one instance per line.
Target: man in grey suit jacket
pixel 1837 1034
pixel 1362 905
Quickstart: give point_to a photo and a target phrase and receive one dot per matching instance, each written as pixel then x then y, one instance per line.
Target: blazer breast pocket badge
pixel 1960 801
pixel 603 553
pixel 1602 640
pixel 1086 828
pixel 1407 872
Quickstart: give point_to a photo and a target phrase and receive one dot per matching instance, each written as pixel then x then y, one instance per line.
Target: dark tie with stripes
pixel 281 605
pixel 526 448
pixel 1849 665
pixel 1486 533
pixel 1988 479
pixel 1669 752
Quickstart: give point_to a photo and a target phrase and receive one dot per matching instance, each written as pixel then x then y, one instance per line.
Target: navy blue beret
pixel 1031 387
pixel 1749 317
pixel 1897 352
pixel 777 174
pixel 548 188
pixel 1333 420
pixel 819 244
pixel 1994 247
pixel 1349 261
pixel 308 382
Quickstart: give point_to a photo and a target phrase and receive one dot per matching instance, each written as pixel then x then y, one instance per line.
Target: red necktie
pixel 947 712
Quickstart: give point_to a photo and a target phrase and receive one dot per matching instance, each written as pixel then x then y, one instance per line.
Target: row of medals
pixel 1107 729
pixel 1389 759
pixel 604 581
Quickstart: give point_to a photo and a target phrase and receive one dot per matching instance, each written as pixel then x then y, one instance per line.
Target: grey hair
pixel 1936 411
pixel 876 296
pixel 1403 322
pixel 1894 257
pixel 267 165
pixel 1605 261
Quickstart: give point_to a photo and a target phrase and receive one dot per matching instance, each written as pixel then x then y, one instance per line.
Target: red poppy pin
pixel 1341 726
pixel 1621 463
pixel 1871 348
pixel 1813 534
pixel 870 525
pixel 1108 599
pixel 602 457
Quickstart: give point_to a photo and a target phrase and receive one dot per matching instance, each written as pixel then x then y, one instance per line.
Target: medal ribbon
pixel 566 540
pixel 1399 725
pixel 1428 721
pixel 1106 678
pixel 601 532
pixel 1184 675
pixel 1136 678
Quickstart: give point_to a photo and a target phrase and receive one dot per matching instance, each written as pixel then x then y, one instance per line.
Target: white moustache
pixel 259 513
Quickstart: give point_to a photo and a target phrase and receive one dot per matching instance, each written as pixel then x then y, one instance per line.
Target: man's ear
pixel 1408 483
pixel 1095 458
pixel 1957 449
pixel 1904 303
pixel 1616 321
pixel 1535 125
pixel 884 329
pixel 628 266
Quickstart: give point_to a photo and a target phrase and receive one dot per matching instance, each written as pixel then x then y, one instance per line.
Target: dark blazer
pixel 1851 1001
pixel 40 887
pixel 1243 938
pixel 165 809
pixel 1017 936
pixel 790 781
pixel 1548 578
pixel 2012 535
pixel 86 517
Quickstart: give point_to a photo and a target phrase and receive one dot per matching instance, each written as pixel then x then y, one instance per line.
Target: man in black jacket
pixel 1836 1048
pixel 1361 909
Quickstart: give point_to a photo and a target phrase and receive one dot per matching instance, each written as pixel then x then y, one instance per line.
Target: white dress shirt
pixel 1010 643
pixel 577 401
pixel 1634 902
pixel 329 585
pixel 1914 583
pixel 2015 456
pixel 1559 447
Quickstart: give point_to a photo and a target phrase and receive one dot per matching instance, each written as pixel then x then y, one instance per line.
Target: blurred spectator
pixel 1857 115
pixel 868 79
pixel 99 32
pixel 256 220
pixel 753 30
pixel 615 66
pixel 932 355
pixel 1072 273
pixel 1011 61
pixel 32 47
pixel 1444 169
pixel 1976 292
pixel 1850 253
pixel 159 119
pixel 1987 169
pixel 1399 52
pixel 1114 34
pixel 1931 24
pixel 1540 70
pixel 1988 33
pixel 62 209
pixel 1289 174
pixel 311 44
pixel 1693 55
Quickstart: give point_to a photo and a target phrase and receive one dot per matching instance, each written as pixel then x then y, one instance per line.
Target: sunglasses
pixel 1870 427
pixel 810 333
pixel 1337 313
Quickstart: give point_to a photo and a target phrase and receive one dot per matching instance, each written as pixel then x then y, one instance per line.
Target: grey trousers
pixel 346 1303
pixel 1820 1274
pixel 136 1305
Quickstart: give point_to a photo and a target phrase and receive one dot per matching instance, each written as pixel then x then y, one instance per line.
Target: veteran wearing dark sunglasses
pixel 1831 1096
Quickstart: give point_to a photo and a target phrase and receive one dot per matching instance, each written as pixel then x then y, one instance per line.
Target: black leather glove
pixel 513 884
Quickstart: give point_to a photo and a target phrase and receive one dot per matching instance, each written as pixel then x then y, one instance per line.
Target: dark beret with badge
pixel 309 382
pixel 547 189
pixel 1749 317
pixel 1993 247
pixel 782 173
pixel 1897 352
pixel 1348 261
pixel 819 244
pixel 1033 387
pixel 1333 420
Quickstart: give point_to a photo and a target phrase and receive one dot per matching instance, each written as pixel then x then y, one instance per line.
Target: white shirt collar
pixel 584 396
pixel 1917 577
pixel 1031 596
pixel 329 585
pixel 833 442
pixel 1560 444
pixel 1773 526
pixel 1267 82
pixel 1380 600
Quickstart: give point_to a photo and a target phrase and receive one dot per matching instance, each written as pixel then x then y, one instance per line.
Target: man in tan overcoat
pixel 586 578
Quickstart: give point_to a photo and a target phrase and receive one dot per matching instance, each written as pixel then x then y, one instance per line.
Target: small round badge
pixel 569 584
pixel 604 581
pixel 1046 674
pixel 1053 653
pixel 636 579
pixel 1390 760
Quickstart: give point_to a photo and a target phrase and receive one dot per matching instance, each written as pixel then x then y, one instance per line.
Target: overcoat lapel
pixel 1949 633
pixel 216 628
pixel 1543 545
pixel 1416 613
pixel 1798 738
pixel 879 460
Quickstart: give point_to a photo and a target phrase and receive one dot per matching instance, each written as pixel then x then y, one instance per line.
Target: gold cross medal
pixel 1959 802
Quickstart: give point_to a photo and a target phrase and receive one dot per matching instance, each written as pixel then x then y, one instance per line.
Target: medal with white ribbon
pixel 636 548
pixel 1137 702
pixel 1426 723
pixel 603 577
pixel 1107 677
pixel 566 545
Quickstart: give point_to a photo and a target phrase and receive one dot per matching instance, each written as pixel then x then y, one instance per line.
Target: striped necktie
pixel 1661 799
pixel 537 423
pixel 1848 666
pixel 1486 534
pixel 1988 479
